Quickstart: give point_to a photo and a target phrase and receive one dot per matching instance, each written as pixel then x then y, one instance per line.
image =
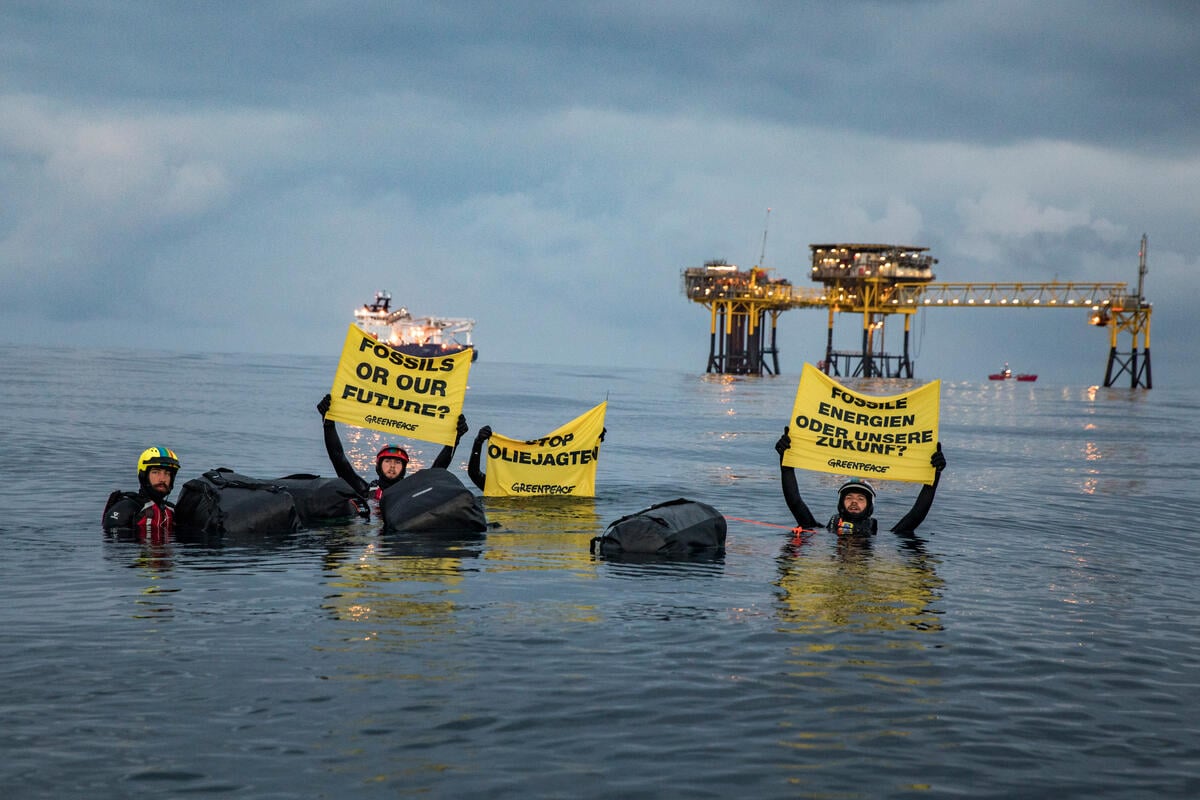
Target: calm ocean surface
pixel 1041 639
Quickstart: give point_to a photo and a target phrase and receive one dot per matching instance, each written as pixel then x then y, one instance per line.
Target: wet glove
pixel 484 433
pixel 462 427
pixel 937 460
pixel 783 444
pixel 323 406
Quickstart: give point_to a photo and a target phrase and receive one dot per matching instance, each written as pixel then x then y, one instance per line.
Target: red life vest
pixel 155 522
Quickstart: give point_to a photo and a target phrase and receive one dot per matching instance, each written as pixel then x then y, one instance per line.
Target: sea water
pixel 1038 639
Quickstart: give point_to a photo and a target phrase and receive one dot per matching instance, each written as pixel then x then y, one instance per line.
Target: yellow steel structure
pixel 876 281
pixel 1107 304
pixel 1134 320
pixel 1004 295
pixel 739 302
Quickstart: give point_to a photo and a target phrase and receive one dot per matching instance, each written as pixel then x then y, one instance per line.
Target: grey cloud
pixel 547 167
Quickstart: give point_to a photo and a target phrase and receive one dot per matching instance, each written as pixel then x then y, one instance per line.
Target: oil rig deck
pixel 876 281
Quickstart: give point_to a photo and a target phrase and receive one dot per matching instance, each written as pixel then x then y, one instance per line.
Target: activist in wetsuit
pixel 146 512
pixel 477 476
pixel 856 499
pixel 391 463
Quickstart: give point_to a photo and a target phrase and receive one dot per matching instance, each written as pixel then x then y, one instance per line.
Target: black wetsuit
pixel 139 513
pixel 344 470
pixel 907 524
pixel 473 472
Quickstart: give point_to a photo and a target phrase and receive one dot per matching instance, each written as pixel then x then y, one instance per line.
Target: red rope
pixel 770 525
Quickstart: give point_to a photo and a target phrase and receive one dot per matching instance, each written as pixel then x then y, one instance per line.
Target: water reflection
pixel 153 560
pixel 541 533
pixel 147 551
pixel 828 582
pixel 401 583
pixel 859 608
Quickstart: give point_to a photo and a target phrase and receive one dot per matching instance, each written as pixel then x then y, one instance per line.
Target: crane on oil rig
pixel 876 281
pixel 762 255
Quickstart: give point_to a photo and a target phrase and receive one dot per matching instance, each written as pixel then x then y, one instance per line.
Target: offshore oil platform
pixel 876 281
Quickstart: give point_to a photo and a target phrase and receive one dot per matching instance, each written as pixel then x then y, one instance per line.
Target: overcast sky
pixel 240 176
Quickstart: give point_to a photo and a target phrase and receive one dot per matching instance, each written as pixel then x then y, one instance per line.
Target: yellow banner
pixel 379 387
pixel 563 462
pixel 834 429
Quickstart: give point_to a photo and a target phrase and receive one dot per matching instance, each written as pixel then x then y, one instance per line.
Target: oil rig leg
pixel 754 360
pixel 905 368
pixel 866 363
pixel 1108 370
pixel 716 359
pixel 774 344
pixel 830 363
pixel 1138 369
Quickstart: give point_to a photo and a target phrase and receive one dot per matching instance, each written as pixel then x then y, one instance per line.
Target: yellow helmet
pixel 157 457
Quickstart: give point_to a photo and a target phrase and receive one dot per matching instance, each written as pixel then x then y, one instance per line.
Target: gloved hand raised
pixel 484 433
pixel 783 444
pixel 462 427
pixel 323 406
pixel 937 460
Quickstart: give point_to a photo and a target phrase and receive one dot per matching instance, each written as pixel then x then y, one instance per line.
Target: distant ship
pixel 418 336
pixel 1007 373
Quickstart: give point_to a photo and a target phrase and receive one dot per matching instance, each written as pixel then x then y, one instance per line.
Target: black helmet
pixel 862 487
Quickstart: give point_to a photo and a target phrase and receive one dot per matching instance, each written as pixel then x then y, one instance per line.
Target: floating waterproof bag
pixel 223 502
pixel 322 500
pixel 431 500
pixel 674 528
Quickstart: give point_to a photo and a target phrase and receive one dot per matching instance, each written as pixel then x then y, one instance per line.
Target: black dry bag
pixel 431 500
pixel 674 528
pixel 322 500
pixel 223 502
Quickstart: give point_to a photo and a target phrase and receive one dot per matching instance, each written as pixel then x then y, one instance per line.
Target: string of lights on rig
pixel 876 281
